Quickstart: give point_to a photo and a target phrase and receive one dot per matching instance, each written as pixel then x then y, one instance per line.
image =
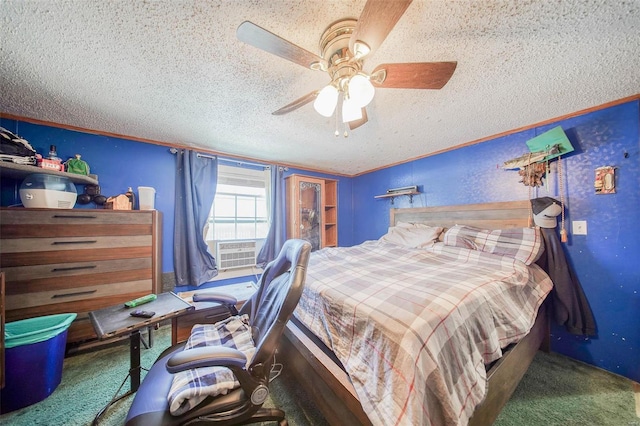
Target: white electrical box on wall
pixel 579 227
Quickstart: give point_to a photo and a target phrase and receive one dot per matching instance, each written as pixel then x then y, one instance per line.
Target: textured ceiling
pixel 174 72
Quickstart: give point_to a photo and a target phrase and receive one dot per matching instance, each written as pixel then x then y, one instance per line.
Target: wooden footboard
pixel 332 392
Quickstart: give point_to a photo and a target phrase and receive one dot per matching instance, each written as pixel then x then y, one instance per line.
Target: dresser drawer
pixel 69 269
pixel 62 282
pixel 36 223
pixel 53 218
pixel 50 297
pixel 21 245
pixel 67 256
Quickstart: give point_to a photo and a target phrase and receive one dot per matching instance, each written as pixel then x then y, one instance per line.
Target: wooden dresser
pixel 58 261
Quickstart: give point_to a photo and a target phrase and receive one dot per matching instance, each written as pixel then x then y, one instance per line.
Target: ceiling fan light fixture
pixel 326 101
pixel 361 91
pixel 350 111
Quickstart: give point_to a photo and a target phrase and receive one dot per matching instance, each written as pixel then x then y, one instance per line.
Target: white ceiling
pixel 174 72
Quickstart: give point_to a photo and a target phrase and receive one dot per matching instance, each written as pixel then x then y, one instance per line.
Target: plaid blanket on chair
pixel 191 387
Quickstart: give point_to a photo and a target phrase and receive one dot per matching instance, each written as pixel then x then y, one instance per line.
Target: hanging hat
pixel 545 210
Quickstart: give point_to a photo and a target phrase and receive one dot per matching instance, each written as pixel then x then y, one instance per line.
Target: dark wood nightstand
pixel 208 312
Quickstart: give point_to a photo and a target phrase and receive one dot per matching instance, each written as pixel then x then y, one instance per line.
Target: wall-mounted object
pixel 544 147
pixel 555 141
pixel 409 191
pixel 605 182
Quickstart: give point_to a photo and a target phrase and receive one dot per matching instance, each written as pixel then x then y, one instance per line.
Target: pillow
pixel 413 237
pixel 523 244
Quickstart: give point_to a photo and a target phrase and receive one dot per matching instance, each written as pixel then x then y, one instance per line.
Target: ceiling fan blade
pixel 357 123
pixel 376 22
pixel 309 97
pixel 414 75
pixel 256 36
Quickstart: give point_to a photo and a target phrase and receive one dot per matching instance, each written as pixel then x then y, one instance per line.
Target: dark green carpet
pixel 555 391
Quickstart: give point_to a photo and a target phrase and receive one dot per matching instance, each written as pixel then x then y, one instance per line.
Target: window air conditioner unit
pixel 236 254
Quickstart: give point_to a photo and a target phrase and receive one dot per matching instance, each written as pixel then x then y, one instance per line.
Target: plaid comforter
pixel 414 328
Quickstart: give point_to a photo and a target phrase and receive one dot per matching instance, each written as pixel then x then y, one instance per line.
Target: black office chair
pixel 268 309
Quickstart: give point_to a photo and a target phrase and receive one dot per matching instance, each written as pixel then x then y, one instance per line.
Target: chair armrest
pixel 208 356
pixel 226 299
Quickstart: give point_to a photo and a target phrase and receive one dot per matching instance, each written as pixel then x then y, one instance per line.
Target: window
pixel 239 211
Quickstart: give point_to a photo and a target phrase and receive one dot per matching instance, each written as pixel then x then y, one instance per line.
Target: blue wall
pixel 121 163
pixel 606 260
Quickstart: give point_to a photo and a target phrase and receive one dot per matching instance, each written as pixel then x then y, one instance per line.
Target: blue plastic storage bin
pixel 34 356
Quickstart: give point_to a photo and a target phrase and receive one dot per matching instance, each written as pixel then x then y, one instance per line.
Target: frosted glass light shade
pixel 350 111
pixel 326 101
pixel 361 90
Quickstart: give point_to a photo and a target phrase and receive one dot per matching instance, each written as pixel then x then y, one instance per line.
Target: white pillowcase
pixel 412 235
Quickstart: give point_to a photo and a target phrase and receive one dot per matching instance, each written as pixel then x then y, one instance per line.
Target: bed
pixel 479 395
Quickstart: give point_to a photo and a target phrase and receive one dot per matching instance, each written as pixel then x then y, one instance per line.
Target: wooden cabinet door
pixel 306 210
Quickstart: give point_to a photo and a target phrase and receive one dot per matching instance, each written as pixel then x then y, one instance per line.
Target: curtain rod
pixel 228 160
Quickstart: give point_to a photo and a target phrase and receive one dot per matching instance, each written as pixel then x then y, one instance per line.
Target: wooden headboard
pixel 510 214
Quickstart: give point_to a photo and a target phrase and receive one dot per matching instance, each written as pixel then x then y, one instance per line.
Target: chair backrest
pixel 272 305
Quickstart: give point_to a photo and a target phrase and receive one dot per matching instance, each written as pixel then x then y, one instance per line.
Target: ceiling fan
pixel 343 47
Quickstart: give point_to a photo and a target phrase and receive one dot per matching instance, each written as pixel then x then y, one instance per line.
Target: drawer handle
pixel 75 242
pixel 70 216
pixel 73 268
pixel 78 293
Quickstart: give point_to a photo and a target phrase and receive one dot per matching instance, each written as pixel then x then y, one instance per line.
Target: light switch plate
pixel 579 227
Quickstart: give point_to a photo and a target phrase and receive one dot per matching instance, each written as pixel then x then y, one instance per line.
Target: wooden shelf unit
pixel 312 210
pixel 393 195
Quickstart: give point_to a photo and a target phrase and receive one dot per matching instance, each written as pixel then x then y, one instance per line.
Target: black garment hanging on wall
pixel 569 306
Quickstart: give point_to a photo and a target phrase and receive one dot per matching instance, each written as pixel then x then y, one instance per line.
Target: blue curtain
pixel 277 231
pixel 196 180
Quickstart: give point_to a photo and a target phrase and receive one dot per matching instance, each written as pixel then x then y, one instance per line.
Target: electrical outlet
pixel 579 227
